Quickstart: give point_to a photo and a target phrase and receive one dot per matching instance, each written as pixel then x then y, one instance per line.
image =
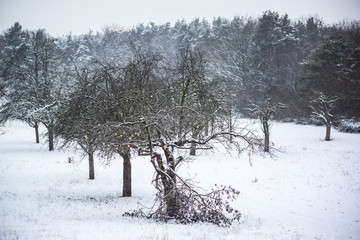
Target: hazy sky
pixel 60 17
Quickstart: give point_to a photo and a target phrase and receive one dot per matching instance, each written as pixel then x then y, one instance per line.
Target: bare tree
pixel 192 93
pixel 33 82
pixel 177 198
pixel 128 92
pixel 265 111
pixel 78 117
pixel 322 107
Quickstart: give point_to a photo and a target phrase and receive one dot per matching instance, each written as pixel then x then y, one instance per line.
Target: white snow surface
pixel 310 190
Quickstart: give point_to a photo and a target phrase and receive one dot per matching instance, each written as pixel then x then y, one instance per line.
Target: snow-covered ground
pixel 310 190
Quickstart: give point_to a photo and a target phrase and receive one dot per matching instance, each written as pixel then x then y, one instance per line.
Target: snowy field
pixel 311 190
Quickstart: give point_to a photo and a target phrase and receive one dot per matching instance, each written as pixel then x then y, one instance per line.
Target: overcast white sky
pixel 59 17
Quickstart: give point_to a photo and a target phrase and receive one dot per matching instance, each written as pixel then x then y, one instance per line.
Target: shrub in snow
pixel 348 125
pixel 189 206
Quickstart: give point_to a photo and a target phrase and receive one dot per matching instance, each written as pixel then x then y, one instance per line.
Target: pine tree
pixel 331 69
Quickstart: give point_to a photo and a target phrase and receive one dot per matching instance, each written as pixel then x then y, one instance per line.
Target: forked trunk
pixel 167 179
pixel 171 195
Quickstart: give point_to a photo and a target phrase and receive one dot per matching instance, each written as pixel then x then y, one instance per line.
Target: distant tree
pixel 273 61
pixel 323 68
pixel 322 108
pixel 80 115
pixel 310 34
pixel 265 112
pixel 33 80
pixel 42 76
pixel 192 93
pixel 331 69
pixel 272 74
pixel 13 55
pixel 229 55
pixel 164 41
pixel 229 60
pixel 115 46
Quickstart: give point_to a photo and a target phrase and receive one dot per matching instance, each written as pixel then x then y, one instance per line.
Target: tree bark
pixel 230 123
pixel 170 199
pixel 193 149
pixel 266 131
pixel 167 179
pixel 126 174
pixel 328 130
pixel 51 138
pixel 170 187
pixel 207 129
pixel 36 126
pixel 212 126
pixel 91 166
pixel 267 142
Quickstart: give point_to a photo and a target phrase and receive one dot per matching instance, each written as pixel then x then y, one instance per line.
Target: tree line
pixel 162 90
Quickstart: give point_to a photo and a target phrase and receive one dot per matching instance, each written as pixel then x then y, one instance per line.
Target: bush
pixel 191 207
pixel 351 125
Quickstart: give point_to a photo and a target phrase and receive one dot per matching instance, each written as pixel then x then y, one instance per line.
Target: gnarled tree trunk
pixel 166 179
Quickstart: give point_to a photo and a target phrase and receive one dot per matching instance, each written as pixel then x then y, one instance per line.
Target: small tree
pixel 322 107
pixel 265 111
pixel 78 117
pixel 190 93
pixel 31 73
pixel 177 198
pixel 127 93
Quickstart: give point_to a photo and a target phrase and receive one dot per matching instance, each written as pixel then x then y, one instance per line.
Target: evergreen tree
pixel 272 77
pixel 273 68
pixel 331 69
